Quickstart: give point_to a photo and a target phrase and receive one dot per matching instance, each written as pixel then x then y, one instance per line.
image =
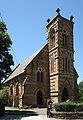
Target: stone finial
pixel 71 18
pixel 48 20
pixel 58 11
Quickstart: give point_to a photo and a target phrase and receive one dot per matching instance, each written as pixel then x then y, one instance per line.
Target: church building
pixel 48 73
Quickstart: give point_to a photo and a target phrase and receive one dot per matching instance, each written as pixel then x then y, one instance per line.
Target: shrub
pixel 80 85
pixel 69 107
pixel 27 107
pixel 65 107
pixel 4 95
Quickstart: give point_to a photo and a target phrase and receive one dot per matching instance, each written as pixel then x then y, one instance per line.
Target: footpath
pixel 25 114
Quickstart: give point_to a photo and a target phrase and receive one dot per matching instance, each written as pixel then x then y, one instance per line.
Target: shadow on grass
pixel 17 115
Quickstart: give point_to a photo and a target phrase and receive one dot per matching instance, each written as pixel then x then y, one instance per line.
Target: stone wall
pixel 67 115
pixel 32 86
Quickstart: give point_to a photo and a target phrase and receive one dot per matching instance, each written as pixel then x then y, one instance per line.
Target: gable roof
pixel 21 67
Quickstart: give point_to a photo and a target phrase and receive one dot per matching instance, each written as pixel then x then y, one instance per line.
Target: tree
pixel 4 95
pixel 6 59
pixel 81 90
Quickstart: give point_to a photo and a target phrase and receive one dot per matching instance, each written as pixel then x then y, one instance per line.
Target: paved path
pixel 17 117
pixel 31 114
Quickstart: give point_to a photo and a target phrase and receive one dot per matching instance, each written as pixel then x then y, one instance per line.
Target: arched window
pixel 66 64
pixel 63 64
pixel 65 39
pixel 52 38
pixel 11 90
pixel 17 89
pixel 52 65
pixel 40 76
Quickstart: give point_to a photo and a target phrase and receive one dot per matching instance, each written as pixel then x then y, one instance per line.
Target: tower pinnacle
pixel 58 11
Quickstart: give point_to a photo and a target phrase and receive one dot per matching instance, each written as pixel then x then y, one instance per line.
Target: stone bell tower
pixel 63 76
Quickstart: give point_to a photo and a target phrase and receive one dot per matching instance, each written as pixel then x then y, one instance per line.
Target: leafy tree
pixel 4 95
pixel 6 59
pixel 81 90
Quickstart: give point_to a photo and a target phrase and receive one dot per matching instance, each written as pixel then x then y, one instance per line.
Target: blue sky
pixel 26 23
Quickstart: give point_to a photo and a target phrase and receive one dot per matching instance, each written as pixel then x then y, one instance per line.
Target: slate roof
pixel 21 67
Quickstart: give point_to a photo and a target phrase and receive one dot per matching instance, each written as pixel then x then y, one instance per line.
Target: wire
pixel 15 58
pixel 14 55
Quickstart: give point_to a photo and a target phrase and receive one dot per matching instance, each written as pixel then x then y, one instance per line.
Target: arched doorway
pixel 65 95
pixel 39 98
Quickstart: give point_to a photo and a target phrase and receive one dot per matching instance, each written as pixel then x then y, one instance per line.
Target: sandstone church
pixel 48 73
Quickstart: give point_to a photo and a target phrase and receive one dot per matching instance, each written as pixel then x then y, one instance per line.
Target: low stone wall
pixel 67 115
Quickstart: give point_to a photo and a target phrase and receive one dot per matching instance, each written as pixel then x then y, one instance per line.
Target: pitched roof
pixel 21 67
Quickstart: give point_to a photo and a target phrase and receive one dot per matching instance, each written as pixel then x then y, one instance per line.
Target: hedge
pixel 69 107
